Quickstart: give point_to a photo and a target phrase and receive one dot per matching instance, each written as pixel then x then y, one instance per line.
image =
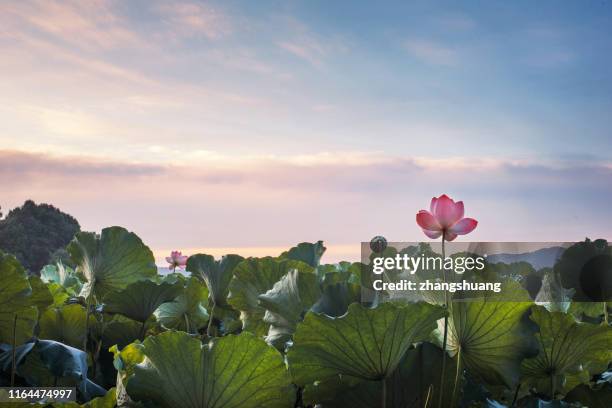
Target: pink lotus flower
pixel 445 217
pixel 176 259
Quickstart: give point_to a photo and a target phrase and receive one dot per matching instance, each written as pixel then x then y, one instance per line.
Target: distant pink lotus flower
pixel 445 217
pixel 177 259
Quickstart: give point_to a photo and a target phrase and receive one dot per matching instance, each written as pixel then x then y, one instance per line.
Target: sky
pixel 248 127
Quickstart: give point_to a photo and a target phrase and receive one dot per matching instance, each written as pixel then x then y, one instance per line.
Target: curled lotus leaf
pixel 252 278
pixel 111 261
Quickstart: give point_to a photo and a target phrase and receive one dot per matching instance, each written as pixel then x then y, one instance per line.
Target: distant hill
pixel 34 232
pixel 542 258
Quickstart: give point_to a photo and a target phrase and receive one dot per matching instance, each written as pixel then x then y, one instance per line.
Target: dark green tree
pixel 33 232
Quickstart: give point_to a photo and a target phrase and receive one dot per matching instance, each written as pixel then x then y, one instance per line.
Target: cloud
pixel 68 122
pixel 17 166
pixel 88 25
pixel 321 172
pixel 186 19
pixel 306 49
pixel 304 44
pixel 32 49
pixel 100 24
pixel 431 52
pixel 343 198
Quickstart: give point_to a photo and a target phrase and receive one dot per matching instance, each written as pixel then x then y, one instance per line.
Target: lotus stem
pixel 457 374
pixel 210 319
pixel 605 312
pixel 383 398
pixel 428 395
pixel 142 329
pixel 96 356
pixel 14 351
pixel 87 312
pixel 187 325
pixel 552 386
pixel 518 387
pixel 445 337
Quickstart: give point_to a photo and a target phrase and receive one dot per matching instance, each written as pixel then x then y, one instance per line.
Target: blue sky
pixel 310 114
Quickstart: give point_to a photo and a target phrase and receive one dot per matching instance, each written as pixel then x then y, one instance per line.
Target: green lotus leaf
pixel 187 311
pixel 111 261
pixel 228 321
pixel 286 303
pixel 58 293
pixel 140 299
pixel 65 324
pixel 597 397
pixel 15 300
pixel 122 331
pixel 41 297
pixel 125 360
pixel 578 270
pixel 361 274
pixel 552 295
pixel 253 277
pixel 333 269
pixel 492 334
pixel 62 275
pixel 590 310
pixel 340 272
pixel 216 274
pixel 570 352
pixel 50 273
pixel 306 252
pixel 235 371
pixel 107 401
pixel 336 298
pixel 366 344
pixel 417 379
pixel 414 382
pixel 340 391
pixel 340 288
pixel 367 277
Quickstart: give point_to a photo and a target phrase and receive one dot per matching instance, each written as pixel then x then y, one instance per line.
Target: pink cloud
pixel 88 25
pixel 342 198
pixel 193 19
